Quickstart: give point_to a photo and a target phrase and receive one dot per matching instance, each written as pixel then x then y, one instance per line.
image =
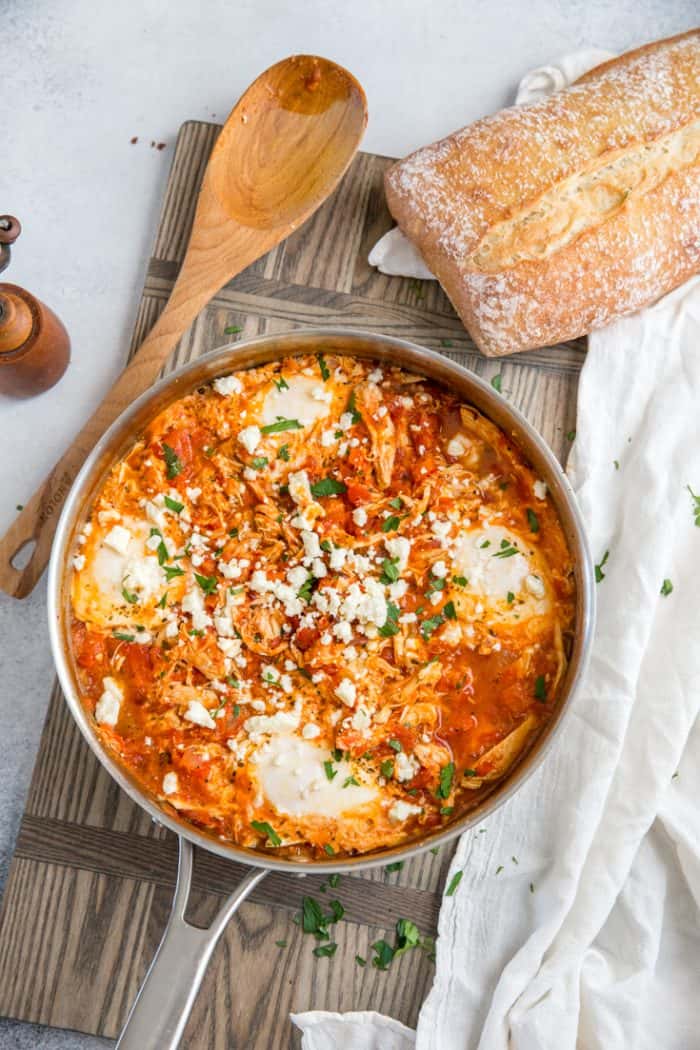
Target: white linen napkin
pixel 577 922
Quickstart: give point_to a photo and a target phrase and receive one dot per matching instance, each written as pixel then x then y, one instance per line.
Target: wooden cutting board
pixel 92 876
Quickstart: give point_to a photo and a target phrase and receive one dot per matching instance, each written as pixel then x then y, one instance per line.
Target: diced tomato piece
pixel 358 494
pixel 90 649
pixel 138 659
pixel 306 637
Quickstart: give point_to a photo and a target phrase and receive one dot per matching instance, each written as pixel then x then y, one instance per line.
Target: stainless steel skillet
pixel 159 1015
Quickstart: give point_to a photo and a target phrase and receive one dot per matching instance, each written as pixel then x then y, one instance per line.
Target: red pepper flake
pixel 161 145
pixel 134 140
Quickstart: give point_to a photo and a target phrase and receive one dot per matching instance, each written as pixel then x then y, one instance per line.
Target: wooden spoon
pixel 283 149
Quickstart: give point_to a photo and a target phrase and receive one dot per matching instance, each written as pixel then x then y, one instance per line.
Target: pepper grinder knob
pixel 34 345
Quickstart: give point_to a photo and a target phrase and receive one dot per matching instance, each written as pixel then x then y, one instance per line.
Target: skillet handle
pixel 158 1017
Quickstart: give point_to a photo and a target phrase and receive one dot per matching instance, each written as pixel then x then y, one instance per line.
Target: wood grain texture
pixel 91 882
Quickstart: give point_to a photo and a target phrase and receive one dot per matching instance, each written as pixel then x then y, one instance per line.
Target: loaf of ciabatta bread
pixel 545 221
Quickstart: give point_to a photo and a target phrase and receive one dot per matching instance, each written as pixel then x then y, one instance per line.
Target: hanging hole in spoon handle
pixel 159 1015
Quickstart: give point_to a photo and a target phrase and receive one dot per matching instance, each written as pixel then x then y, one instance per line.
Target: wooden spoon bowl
pixel 285 146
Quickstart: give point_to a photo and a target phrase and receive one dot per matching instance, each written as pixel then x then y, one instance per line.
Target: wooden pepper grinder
pixel 34 345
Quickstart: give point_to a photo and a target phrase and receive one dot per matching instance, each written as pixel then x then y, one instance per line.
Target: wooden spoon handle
pixel 37 521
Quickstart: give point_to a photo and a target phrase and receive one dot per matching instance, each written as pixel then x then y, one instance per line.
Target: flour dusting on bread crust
pixel 545 221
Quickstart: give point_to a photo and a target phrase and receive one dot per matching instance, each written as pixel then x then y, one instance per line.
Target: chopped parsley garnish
pixel 429 626
pixel 390 573
pixel 486 543
pixel 396 745
pixel 396 865
pixel 162 552
pixel 391 524
pixel 259 462
pixel 233 533
pixel 396 503
pixel 350 781
pixel 333 880
pixel 328 487
pixel 540 688
pixel 280 425
pixel 329 849
pixel 306 589
pixel 461 581
pixel 507 550
pixel 330 772
pixel 124 637
pixel 163 601
pixel 283 453
pixel 599 574
pixel 496 382
pixel 449 611
pixel 281 944
pixel 385 953
pixel 314 921
pixel 666 588
pixel 326 546
pixel 510 597
pixel 360 961
pixel 435 583
pixel 616 464
pixel 571 435
pixel 281 383
pixel 446 342
pixel 207 583
pixel 446 810
pixel 499 869
pixel 387 768
pixel 532 520
pixel 391 626
pixel 129 596
pixel 446 776
pixel 171 571
pixel 173 504
pixel 454 883
pixel 263 828
pixel 232 329
pixel 236 710
pixel 195 632
pixel 325 370
pixel 696 505
pixel 325 951
pixel 173 463
pixel 470 773
pixel 351 408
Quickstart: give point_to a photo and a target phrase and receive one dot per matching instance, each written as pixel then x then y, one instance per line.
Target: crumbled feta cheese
pixel 297 576
pixel 79 562
pixel 343 631
pixel 170 784
pixel 286 684
pixel 347 692
pixel 457 446
pixel 193 493
pixel 172 629
pixel 337 558
pixel 299 488
pixel 250 437
pixel 405 766
pixel 193 603
pixel 398 547
pixel 359 516
pixel 118 539
pixel 310 731
pixel 376 376
pixel 440 570
pixel 227 385
pixel 312 546
pixel 398 590
pixel 345 421
pixel 401 811
pixel 361 720
pixel 107 707
pixel 320 393
pixel 540 489
pixel 143 637
pixel 270 673
pixel 196 712
pixel 328 438
pixel 318 568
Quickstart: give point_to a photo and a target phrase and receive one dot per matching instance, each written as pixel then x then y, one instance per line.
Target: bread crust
pixel 448 197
